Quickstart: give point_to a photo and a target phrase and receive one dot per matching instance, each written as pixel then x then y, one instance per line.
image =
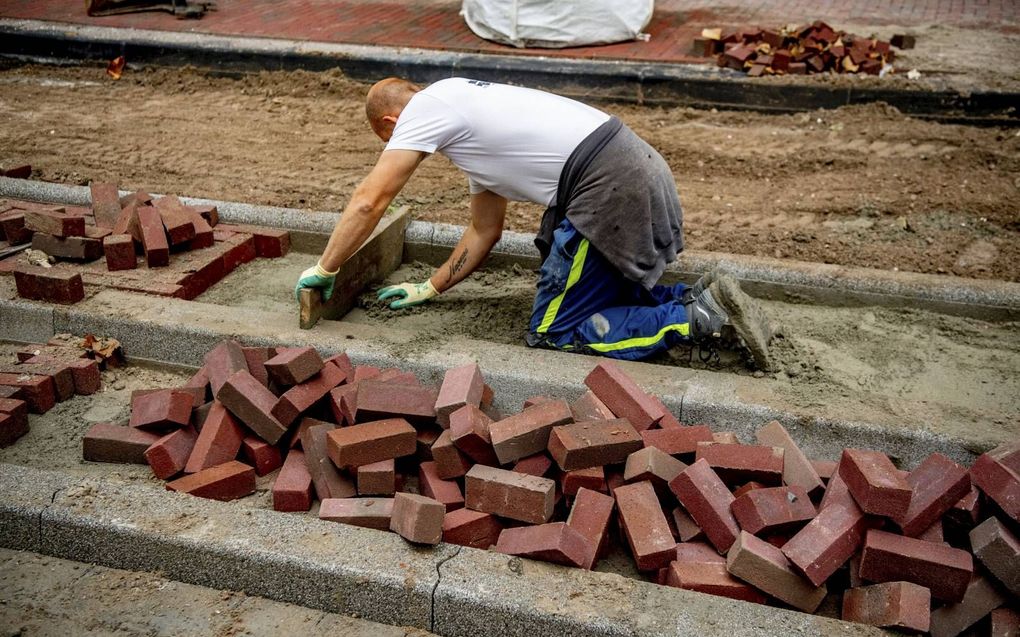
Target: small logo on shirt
pixel 480 83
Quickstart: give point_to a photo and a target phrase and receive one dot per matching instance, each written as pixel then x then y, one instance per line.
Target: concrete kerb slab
pixel 26 322
pixel 641 82
pixel 24 495
pixel 765 277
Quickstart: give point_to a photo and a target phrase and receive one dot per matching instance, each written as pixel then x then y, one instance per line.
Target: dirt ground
pixel 861 186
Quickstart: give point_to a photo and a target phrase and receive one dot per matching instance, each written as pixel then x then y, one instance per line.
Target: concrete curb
pixel 640 82
pixel 338 568
pixel 765 277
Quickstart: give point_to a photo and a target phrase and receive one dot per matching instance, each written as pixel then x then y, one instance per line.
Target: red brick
pixel 300 398
pixel 219 440
pixel 294 365
pixel 536 465
pixel 711 578
pixel 471 528
pixel 86 376
pixel 70 248
pixel 261 455
pixel 593 443
pixel 107 442
pixel 589 407
pixel 527 433
pixel 933 533
pixel 747 487
pixel 508 494
pixel 365 372
pixel 168 455
pixel 329 483
pixel 698 553
pixel 378 478
pixel 736 464
pixel 370 513
pixel 19 172
pixel 1008 455
pixel 240 250
pixel 469 431
pixel 378 400
pixel 270 243
pixel 105 203
pixel 15 407
pixel 827 542
pixel 60 371
pixel 899 605
pixel 446 492
pixel 797 469
pixel 967 511
pixel 152 237
pixel 590 516
pixel 13 224
pixel 120 252
pixel 556 542
pixel 651 542
pixel 252 404
pixel 417 518
pixel 341 402
pixel 766 568
pixel 222 361
pixel 997 481
pixel 708 501
pixel 208 212
pixel 875 483
pixel 536 400
pixel 176 221
pixel 292 489
pixel 49 284
pixel 999 550
pixel 425 438
pixel 13 393
pixel 623 396
pixel 593 478
pixel 461 386
pixel 38 391
pixel 677 441
pixel 161 409
pixel 725 438
pixel 450 462
pixel 936 484
pixel 55 223
pixel 836 492
pixel 204 236
pixel 227 481
pixel 12 427
pixel 943 569
pixel 686 528
pixel 981 597
pixel 1005 623
pixel 776 510
pixel 371 442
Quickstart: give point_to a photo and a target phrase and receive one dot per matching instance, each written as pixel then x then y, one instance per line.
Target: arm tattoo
pixel 457 265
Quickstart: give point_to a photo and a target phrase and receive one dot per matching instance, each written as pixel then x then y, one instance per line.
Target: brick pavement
pixel 436 24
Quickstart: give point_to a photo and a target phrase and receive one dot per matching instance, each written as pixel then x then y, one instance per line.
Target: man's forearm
pixel 469 253
pixel 355 226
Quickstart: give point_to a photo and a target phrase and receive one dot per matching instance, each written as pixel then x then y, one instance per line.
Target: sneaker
pixel 749 321
pixel 707 317
pixel 701 285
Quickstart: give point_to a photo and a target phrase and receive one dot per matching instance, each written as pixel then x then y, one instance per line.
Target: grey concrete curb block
pixel 773 278
pixel 349 570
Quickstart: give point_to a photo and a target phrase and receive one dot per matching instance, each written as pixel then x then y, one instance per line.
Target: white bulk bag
pixel 557 23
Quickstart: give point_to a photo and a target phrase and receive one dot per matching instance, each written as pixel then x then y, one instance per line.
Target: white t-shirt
pixel 509 140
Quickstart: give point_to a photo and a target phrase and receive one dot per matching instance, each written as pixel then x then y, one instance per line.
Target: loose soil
pixel 862 186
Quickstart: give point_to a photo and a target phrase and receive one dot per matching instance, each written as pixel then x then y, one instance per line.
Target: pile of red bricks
pixel 156 246
pixel 45 375
pixel 816 48
pixel 560 481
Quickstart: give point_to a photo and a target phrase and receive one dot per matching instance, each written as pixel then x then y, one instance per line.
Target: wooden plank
pixel 375 260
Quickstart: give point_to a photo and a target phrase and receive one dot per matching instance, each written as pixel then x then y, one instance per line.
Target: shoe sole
pixel 747 318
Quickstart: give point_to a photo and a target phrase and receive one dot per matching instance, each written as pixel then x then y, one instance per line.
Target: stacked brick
pixel 156 246
pixel 816 48
pixel 933 549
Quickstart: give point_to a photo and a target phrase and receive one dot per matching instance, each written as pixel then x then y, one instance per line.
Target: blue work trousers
pixel 584 304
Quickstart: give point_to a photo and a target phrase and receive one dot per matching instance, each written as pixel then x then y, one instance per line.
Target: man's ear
pixel 392 119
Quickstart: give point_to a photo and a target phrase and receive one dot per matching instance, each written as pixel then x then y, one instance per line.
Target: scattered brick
pixel 426 437
pixel 378 478
pixel 219 440
pixel 698 553
pixel 469 431
pixel 105 203
pixel 593 478
pixel 176 221
pixel 766 568
pixel 38 391
pixel 342 403
pixel 204 236
pixel 999 550
pixel 461 386
pixel 228 481
pixel 875 483
pixel 327 480
pixel 471 528
pixel 49 284
pixel 152 237
pixel 294 365
pixel 450 462
pixel 222 361
pixel 594 443
pixel 292 489
pixel 651 542
pixel 555 542
pixel 508 494
pixel 900 605
pixel 56 224
pixel 370 513
pixel 827 541
pixel 527 433
pixel 161 409
pixel 686 528
pixel 775 510
pixel 70 248
pixel 371 442
pixel 933 533
pixel 59 371
pixel 300 398
pixel 1005 623
pixel 735 464
pixel 590 516
pixel 747 487
pixel 654 465
pixel 797 469
pixel 107 442
pixel 377 400
pixel 85 375
pixel 677 442
pixel 19 172
pixel 623 397
pixel 711 578
pixel 252 404
pixel 169 455
pixel 270 243
pixel 13 224
pixel 981 597
pixel 13 420
pixel 992 473
pixel 536 465
pixel 446 492
pixel 944 570
pixel 936 485
pixel 589 407
pixel 261 455
pixel 705 497
pixel 417 518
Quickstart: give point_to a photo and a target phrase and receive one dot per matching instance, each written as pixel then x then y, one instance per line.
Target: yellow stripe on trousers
pixel 575 275
pixel 641 341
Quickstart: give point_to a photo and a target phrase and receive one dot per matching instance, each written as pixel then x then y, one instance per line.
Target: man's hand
pixel 316 277
pixel 408 294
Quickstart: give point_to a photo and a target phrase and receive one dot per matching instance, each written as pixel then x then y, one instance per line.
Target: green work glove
pixel 316 277
pixel 408 294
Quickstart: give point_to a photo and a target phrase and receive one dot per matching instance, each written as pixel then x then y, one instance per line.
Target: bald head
pixel 386 99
